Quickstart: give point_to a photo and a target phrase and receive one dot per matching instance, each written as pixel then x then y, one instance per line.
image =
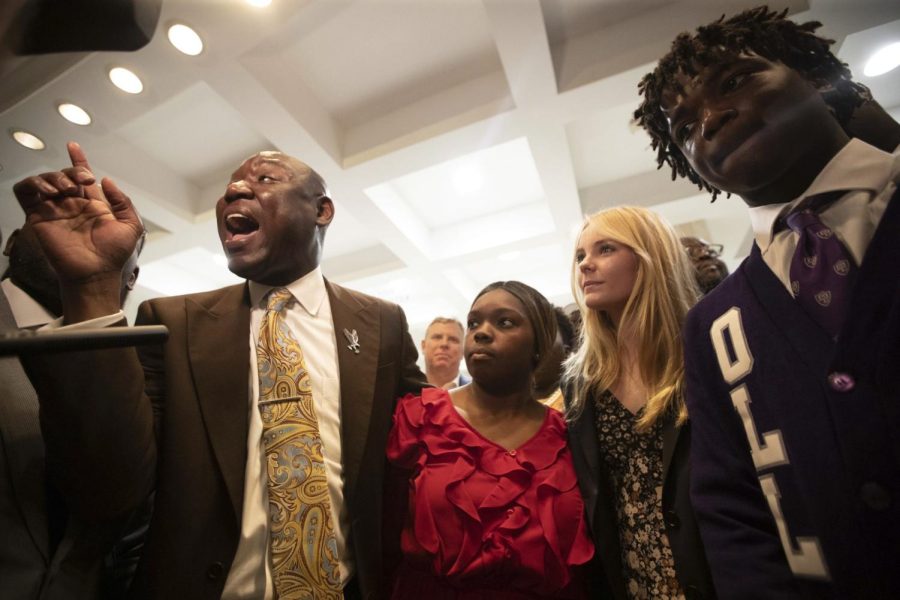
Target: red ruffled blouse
pixel 485 522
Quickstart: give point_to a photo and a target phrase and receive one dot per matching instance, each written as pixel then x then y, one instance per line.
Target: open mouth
pixel 240 226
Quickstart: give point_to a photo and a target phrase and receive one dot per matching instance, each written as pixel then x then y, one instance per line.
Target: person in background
pixel 494 509
pixel 265 413
pixel 442 353
pixel 45 551
pixel 709 269
pixel 629 429
pixel 547 377
pixel 791 362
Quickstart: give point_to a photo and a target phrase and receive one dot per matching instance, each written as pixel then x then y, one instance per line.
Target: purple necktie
pixel 822 271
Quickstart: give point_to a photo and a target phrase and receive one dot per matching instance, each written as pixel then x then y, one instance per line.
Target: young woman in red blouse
pixel 494 508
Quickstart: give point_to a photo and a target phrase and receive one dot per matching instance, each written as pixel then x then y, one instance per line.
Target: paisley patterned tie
pixel 301 528
pixel 822 271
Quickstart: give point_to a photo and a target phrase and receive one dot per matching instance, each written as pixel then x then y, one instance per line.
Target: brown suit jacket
pixel 193 392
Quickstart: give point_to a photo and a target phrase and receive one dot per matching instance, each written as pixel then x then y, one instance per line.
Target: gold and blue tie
pixel 302 543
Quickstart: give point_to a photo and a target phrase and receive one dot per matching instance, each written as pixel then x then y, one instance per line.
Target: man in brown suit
pixel 182 419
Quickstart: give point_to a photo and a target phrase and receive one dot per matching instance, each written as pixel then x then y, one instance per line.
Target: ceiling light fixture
pixel 185 39
pixel 884 60
pixel 259 3
pixel 74 113
pixel 29 140
pixel 126 80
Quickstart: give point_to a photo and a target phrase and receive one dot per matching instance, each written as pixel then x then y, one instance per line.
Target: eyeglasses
pixel 704 250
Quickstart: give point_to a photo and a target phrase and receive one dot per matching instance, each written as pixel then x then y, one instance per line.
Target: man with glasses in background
pixel 709 268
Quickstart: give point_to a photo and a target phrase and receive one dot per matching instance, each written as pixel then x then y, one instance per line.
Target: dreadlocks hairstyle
pixel 763 32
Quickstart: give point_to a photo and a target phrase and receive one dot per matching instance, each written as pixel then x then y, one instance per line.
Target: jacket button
pixel 841 382
pixel 671 518
pixel 875 496
pixel 215 571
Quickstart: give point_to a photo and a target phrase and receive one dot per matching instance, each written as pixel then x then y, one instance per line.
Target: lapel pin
pixel 353 338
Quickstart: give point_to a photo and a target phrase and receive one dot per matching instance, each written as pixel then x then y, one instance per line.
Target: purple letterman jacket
pixel 795 458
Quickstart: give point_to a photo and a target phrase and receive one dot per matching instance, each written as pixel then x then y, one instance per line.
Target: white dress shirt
pixel 870 178
pixel 311 324
pixel 29 313
pixel 26 310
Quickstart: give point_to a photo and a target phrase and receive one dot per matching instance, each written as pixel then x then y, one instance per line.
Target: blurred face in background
pixel 442 346
pixel 710 269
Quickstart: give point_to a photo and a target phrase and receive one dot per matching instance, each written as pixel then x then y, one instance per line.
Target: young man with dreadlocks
pixel 793 362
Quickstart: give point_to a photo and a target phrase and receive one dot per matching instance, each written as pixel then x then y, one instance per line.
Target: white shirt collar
pixel 27 311
pixel 309 291
pixel 858 166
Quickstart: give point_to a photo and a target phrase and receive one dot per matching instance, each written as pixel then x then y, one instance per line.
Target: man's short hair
pixel 442 320
pixel 763 32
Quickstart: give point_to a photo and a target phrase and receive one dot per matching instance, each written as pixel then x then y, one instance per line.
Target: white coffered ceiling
pixel 462 140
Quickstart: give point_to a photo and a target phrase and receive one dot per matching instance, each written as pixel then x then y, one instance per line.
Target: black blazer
pixel 599 502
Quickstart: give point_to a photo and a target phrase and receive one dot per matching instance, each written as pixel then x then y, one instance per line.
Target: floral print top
pixel 634 462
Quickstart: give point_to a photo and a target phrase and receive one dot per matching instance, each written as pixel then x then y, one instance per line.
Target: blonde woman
pixel 628 430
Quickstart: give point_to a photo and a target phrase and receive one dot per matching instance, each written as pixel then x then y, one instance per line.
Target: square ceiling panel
pixel 420 301
pixel 594 39
pixel 567 19
pixel 606 146
pixel 367 58
pixel 545 268
pixel 196 134
pixel 480 200
pixel 346 234
pixel 487 181
pixel 193 270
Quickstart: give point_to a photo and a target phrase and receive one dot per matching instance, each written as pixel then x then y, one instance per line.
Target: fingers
pixel 120 204
pixel 77 156
pixel 81 172
pixel 53 185
pixel 77 181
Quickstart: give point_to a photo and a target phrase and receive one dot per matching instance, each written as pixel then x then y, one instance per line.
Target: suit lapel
pixel 583 434
pixel 670 434
pixel 22 442
pixel 873 295
pixel 599 500
pixel 218 347
pixel 357 375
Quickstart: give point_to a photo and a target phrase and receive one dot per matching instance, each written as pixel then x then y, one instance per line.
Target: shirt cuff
pixel 105 321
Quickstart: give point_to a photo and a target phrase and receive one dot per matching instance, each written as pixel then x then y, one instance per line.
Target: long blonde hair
pixel 664 290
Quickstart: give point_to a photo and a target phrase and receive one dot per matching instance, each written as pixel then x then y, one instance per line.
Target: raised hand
pixel 87 230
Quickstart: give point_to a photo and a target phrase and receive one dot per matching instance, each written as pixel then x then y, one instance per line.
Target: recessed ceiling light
pixel 126 80
pixel 259 3
pixel 74 113
pixel 28 140
pixel 185 39
pixel 886 59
